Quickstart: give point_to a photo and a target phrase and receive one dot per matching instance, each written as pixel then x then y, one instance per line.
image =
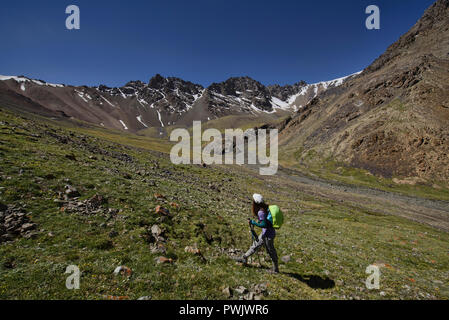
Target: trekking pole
pixel 255 239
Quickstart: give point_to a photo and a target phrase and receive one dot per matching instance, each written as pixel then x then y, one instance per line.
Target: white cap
pixel 257 198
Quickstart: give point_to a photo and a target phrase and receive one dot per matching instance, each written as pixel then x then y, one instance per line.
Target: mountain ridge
pixel 392 119
pixel 162 102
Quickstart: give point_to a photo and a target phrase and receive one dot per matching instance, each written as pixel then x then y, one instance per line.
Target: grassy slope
pixel 313 164
pixel 330 242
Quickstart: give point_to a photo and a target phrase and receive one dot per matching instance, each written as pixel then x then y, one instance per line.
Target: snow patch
pixel 107 101
pixel 124 125
pixel 81 95
pixel 122 94
pixel 139 118
pixel 160 118
pixel 23 79
pixel 278 103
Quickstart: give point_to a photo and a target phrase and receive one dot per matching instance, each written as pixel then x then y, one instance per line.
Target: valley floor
pixel 97 204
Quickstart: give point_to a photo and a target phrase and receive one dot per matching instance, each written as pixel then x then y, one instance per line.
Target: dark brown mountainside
pixel 393 118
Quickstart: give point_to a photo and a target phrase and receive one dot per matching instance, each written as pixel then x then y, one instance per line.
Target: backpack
pixel 275 216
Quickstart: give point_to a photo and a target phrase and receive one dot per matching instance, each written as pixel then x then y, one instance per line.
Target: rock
pixel 162 211
pixel 163 260
pixel 122 270
pixel 159 197
pixel 28 226
pixel 144 298
pixel 382 293
pixel 157 248
pixel 194 250
pixel 113 234
pixel 96 201
pixel 286 259
pixel 71 192
pixel 260 288
pixel 156 230
pixel 227 292
pixel 241 290
pixel 249 296
pixel 174 205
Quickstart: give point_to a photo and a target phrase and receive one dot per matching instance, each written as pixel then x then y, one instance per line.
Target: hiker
pixel 260 211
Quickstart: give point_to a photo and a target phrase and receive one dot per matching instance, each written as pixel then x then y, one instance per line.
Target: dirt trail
pixel 432 212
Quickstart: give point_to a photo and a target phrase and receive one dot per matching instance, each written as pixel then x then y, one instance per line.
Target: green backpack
pixel 275 216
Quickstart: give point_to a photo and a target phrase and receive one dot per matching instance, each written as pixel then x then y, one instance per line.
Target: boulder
pixel 227 292
pixel 162 211
pixel 163 260
pixel 241 290
pixel 122 270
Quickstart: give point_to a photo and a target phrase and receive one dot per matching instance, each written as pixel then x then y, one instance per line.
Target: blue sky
pixel 280 41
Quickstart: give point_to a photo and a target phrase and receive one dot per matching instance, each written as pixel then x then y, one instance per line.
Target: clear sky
pixel 203 41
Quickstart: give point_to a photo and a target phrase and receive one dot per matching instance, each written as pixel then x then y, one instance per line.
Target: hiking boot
pixel 240 260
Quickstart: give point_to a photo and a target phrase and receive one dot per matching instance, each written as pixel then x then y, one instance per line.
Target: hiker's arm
pixel 262 224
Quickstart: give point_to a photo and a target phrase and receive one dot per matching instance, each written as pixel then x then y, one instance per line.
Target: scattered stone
pixel 144 298
pixel 14 223
pixel 286 259
pixel 157 248
pixel 159 197
pixel 71 192
pixel 156 230
pixel 162 211
pixel 260 288
pixel 123 270
pixel 28 226
pixel 163 260
pixel 249 296
pixel 241 290
pixel 174 205
pixel 113 234
pixel 227 292
pixel 193 250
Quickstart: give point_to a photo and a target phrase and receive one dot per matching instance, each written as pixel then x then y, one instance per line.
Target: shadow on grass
pixel 314 282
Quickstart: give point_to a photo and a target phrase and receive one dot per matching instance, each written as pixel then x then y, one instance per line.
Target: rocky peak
pixel 156 82
pixel 284 92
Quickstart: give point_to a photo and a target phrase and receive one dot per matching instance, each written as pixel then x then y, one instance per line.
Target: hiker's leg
pixel 254 247
pixel 269 244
